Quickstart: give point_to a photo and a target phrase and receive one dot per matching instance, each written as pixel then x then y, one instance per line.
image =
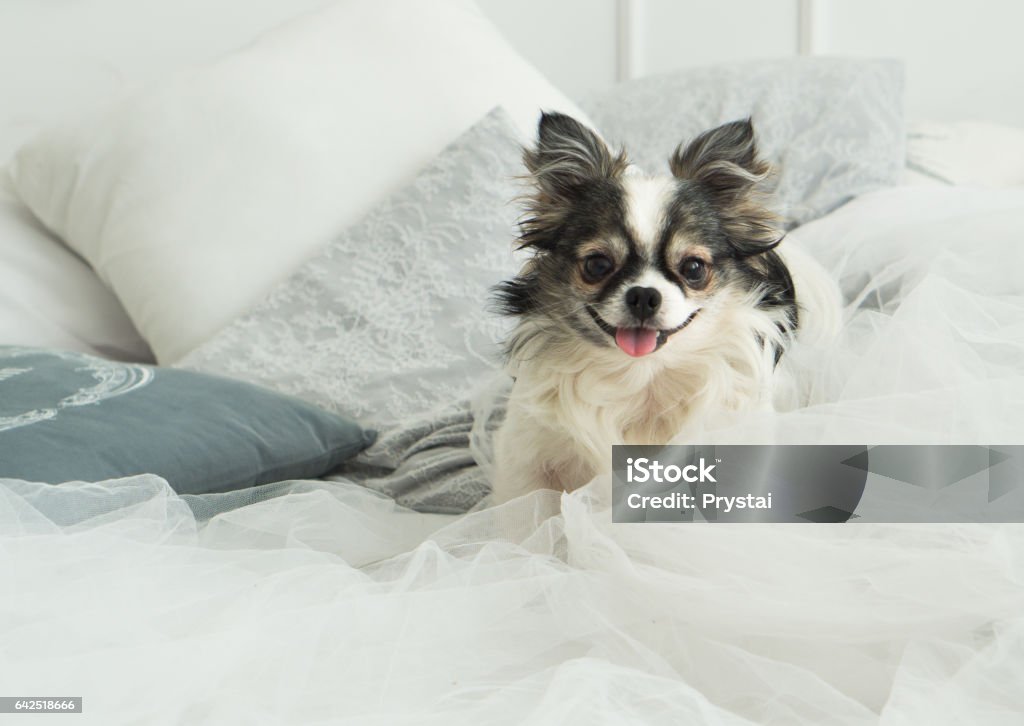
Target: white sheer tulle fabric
pixel 331 605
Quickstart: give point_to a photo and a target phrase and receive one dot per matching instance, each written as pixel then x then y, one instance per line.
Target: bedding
pixel 81 59
pixel 882 245
pixel 241 169
pixel 329 603
pixel 967 153
pixel 832 127
pixel 67 416
pixel 50 298
pixel 346 605
pixel 391 321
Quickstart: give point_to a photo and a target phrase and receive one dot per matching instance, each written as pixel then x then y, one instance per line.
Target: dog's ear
pixel 724 159
pixel 569 161
pixel 568 155
pixel 725 163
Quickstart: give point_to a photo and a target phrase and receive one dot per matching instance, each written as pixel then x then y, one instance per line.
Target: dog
pixel 648 303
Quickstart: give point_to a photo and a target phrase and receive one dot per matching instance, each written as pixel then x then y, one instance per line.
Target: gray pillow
pixel 391 320
pixel 833 127
pixel 72 417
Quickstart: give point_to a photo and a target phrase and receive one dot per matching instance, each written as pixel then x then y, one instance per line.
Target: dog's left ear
pixel 724 159
pixel 725 163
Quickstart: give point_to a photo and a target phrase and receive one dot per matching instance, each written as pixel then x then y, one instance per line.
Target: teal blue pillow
pixel 69 417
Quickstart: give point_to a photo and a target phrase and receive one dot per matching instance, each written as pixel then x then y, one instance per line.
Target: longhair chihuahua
pixel 648 303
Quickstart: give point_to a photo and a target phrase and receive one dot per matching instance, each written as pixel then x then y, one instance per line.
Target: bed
pixel 306 535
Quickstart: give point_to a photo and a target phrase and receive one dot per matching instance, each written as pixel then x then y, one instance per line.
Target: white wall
pixel 695 33
pixel 964 58
pixel 572 41
pixel 59 57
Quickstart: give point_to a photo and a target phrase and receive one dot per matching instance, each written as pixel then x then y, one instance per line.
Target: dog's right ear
pixel 568 155
pixel 567 160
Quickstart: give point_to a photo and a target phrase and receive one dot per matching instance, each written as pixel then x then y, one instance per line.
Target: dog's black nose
pixel 643 301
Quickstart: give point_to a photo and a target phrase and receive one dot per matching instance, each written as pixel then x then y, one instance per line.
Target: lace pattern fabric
pixel 391 320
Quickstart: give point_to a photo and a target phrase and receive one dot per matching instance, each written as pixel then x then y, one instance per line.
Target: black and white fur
pixel 648 302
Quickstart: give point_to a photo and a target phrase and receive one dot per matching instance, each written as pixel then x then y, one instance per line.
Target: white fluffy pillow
pixel 193 198
pixel 49 298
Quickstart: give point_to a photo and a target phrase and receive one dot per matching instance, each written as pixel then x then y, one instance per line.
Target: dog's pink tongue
pixel 636 341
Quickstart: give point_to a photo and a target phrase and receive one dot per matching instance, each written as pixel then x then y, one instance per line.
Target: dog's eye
pixel 597 267
pixel 695 271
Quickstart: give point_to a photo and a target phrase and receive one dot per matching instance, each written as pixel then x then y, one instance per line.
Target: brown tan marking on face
pixel 614 248
pixel 683 247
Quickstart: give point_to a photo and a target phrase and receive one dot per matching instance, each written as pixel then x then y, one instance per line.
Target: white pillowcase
pixel 81 55
pixel 193 198
pixel 49 298
pixel 969 153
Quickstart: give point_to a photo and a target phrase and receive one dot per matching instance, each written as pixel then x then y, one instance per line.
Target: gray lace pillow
pixel 391 319
pixel 833 127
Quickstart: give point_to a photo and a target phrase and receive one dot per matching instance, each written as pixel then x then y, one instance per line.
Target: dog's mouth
pixel 638 342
